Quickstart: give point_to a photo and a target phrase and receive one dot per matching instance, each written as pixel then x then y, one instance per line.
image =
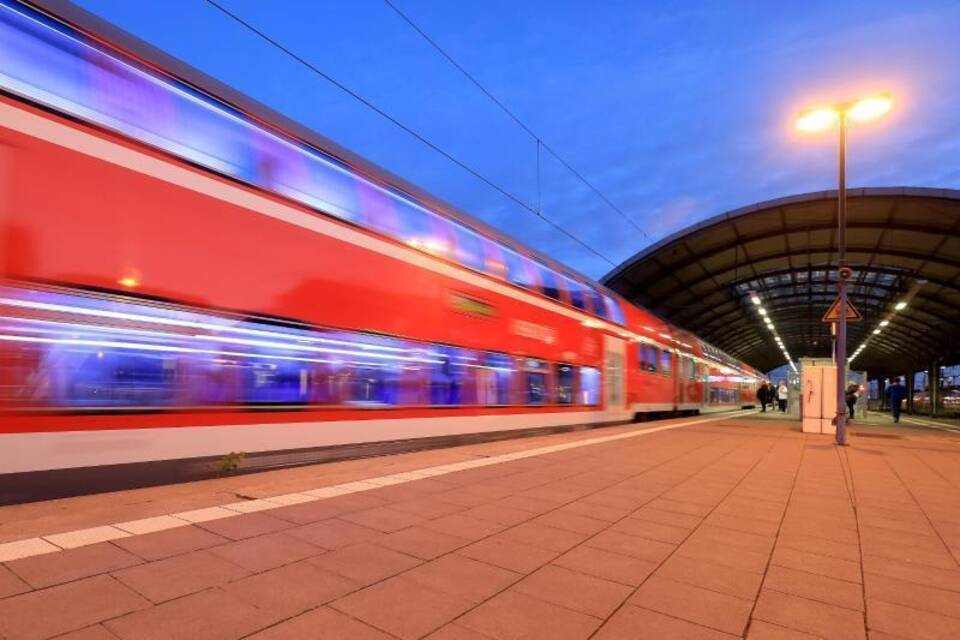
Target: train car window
pixel 589 386
pixel 469 248
pixel 551 286
pixel 565 378
pixel 721 395
pixel 535 379
pixel 275 382
pixel 614 311
pixel 596 304
pixel 440 239
pixel 105 377
pixel 576 291
pixel 494 378
pixel 413 226
pixel 666 362
pixel 649 357
pixel 376 209
pixel 453 377
pixel 291 170
pixel 494 261
pixel 516 269
pixel 521 271
pixel 534 283
pixel 368 384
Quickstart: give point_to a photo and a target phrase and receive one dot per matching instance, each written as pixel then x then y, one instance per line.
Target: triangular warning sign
pixel 833 313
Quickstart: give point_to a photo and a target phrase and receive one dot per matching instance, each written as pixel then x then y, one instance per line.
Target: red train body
pixel 155 307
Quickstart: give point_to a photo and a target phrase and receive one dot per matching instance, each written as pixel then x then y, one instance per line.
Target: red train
pixel 180 280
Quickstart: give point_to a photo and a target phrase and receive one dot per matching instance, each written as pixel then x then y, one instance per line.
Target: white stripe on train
pixel 39 451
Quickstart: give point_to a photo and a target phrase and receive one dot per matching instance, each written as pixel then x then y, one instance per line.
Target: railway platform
pixel 710 527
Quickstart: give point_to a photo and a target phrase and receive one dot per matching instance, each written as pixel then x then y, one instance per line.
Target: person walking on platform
pixel 896 392
pixel 782 394
pixel 853 392
pixel 764 396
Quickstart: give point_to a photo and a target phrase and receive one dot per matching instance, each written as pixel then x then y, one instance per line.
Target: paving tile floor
pixel 734 529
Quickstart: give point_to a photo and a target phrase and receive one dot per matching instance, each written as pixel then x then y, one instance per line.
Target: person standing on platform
pixel 782 394
pixel 896 392
pixel 763 396
pixel 853 392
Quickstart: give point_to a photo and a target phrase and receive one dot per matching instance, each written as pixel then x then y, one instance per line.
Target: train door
pixel 705 378
pixel 688 399
pixel 681 377
pixel 614 393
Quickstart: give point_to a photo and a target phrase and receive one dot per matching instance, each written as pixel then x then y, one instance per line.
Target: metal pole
pixel 841 357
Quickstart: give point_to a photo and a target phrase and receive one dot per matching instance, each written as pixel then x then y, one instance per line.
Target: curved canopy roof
pixel 902 243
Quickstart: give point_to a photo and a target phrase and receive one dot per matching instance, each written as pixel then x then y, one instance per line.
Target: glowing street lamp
pixel 821 119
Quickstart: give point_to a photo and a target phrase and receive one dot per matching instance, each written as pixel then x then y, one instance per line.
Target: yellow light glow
pixel 822 118
pixel 817 119
pixel 870 108
pixel 130 282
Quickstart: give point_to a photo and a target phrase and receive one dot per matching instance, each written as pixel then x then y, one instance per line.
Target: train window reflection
pixel 453 377
pixel 648 357
pixel 275 382
pixel 576 291
pixel 614 311
pixel 469 248
pixel 596 304
pixel 413 225
pixel 551 285
pixel 107 378
pixel 520 270
pixel 589 386
pixel 565 383
pixel 535 380
pixel 666 362
pixel 720 395
pixel 494 261
pixel 494 378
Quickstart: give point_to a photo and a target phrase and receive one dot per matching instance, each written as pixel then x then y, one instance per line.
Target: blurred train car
pixel 185 276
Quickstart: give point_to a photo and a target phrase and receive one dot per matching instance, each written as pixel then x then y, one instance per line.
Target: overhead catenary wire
pixel 540 143
pixel 420 137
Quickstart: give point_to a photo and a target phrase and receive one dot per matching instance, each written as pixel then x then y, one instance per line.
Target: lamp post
pixel 820 119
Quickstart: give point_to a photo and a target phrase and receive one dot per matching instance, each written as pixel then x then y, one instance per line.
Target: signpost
pixel 833 313
pixel 841 308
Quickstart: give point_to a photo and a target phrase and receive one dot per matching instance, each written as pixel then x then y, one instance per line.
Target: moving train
pixel 184 276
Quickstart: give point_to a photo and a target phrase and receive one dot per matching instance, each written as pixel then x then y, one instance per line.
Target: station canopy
pixel 903 245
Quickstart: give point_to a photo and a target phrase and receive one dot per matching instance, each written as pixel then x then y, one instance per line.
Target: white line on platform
pixel 930 423
pixel 72 539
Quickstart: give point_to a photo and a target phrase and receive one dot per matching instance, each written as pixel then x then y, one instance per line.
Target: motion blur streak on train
pixel 180 280
pixel 151 357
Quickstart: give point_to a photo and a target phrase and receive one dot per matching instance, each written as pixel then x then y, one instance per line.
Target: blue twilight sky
pixel 676 110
